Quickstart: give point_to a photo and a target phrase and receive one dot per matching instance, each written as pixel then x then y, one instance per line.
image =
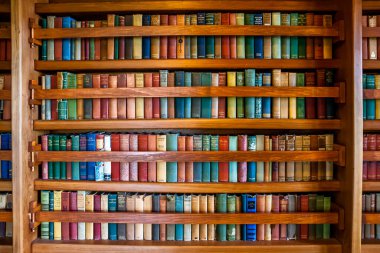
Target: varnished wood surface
pixel 6 216
pixel 6 155
pixel 187 124
pixel 373 32
pixel 195 64
pixel 370 246
pixel 371 94
pixel 371 64
pixel 5 8
pixel 5 65
pixel 210 30
pixel 220 187
pixel 187 92
pixel 6 248
pixel 5 185
pixel 369 125
pixel 371 218
pixel 5 126
pixel 191 218
pixel 188 6
pixel 371 155
pixel 322 246
pixel 371 5
pixel 5 33
pixel 5 94
pixel 371 186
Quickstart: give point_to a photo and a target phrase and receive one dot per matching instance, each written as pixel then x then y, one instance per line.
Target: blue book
pixel 91 146
pixel 364 100
pixel 5 165
pixel 214 165
pixel 75 175
pixel 201 40
pixel 44 42
pixel 251 208
pixel 112 207
pixel 187 99
pixel 196 104
pixel 267 102
pixel 171 167
pixel 250 102
pixel 66 43
pixel 51 208
pixel 232 171
pixel 82 165
pixel 164 101
pixel 251 166
pixel 259 40
pixel 179 102
pixel 197 166
pixel 179 209
pixel 371 103
pixel 206 102
pixel 244 210
pixel 259 100
pixel 146 39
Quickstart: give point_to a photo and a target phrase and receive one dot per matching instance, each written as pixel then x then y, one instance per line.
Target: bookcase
pixel 27 127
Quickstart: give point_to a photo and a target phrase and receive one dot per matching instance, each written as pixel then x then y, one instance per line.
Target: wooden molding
pixel 370 246
pixel 371 125
pixel 6 216
pixel 371 218
pixel 371 186
pixel 5 126
pixel 5 8
pixel 371 5
pixel 371 156
pixel 5 185
pixel 6 155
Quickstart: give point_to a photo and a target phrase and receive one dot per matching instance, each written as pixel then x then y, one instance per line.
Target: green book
pixel 210 40
pixel 116 40
pixel 206 103
pixel 214 165
pixel 300 102
pixel 62 147
pixel 206 166
pixel 45 207
pixel 232 171
pixel 250 102
pixel 72 103
pixel 92 42
pixel 221 207
pixel 62 103
pixel 240 100
pixel 56 165
pixel 240 40
pixel 50 164
pixel 285 40
pixel 231 208
pixel 276 40
pixel 75 165
pixel 326 208
pixel 170 208
pixel 302 40
pixel 171 167
pixel 249 19
pixel 294 39
pixel 319 208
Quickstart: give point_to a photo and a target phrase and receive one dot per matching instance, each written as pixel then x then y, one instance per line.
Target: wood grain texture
pixel 5 8
pixel 325 246
pixel 194 64
pixel 6 216
pixel 6 249
pixel 5 65
pixel 372 5
pixel 159 6
pixel 210 30
pixel 191 218
pixel 371 94
pixel 188 92
pixel 6 155
pixel 5 125
pixel 371 218
pixel 187 124
pixel 5 185
pixel 5 33
pixel 371 64
pixel 371 32
pixel 371 186
pixel 5 94
pixel 370 246
pixel 220 187
pixel 194 156
pixel 371 155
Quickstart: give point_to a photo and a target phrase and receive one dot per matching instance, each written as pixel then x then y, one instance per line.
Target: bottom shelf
pixel 325 246
pixel 370 246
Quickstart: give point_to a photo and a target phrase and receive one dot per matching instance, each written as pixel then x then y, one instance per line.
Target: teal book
pixel 249 19
pixel 294 39
pixel 112 207
pixel 179 102
pixel 75 165
pixel 214 165
pixel 250 102
pixel 72 103
pixel 240 100
pixel 50 164
pixel 210 40
pixel 221 207
pixel 179 209
pixel 206 102
pixel 164 101
pixel 276 40
pixel 251 166
pixel 51 208
pixel 62 103
pixel 44 42
pixel 62 147
pixel 92 43
pixel 187 99
pixel 197 166
pixel 300 102
pixel 285 40
pixel 56 165
pixel 259 100
pixel 116 40
pixel 171 167
pixel 232 171
pixel 364 100
pixel 196 102
pixel 302 40
pixel 371 103
pixel 206 166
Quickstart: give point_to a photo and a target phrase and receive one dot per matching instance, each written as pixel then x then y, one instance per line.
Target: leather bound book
pixel 97 43
pixel 371 142
pixel 73 225
pixel 68 164
pixel 181 173
pixel 115 166
pixel 225 39
pixel 371 170
pixel 155 41
pixel 156 209
pixel 377 170
pixel 365 170
pixel 129 40
pixel 171 101
pixel 275 209
pixel 223 166
pixel 195 202
pixel 327 41
pixel 193 39
pixel 222 100
pixel 103 43
pixel 80 105
pixel 304 208
pixel 58 42
pixel 180 48
pixel 112 83
pixel 133 166
pixel 172 40
pixel 321 102
pixel 131 102
pixel 377 142
pixel 97 208
pixel 152 166
pixel 104 103
pixel 365 142
pixel 124 166
pixel 318 41
pixel 148 102
pixel 189 166
pixel 139 82
pixel 310 102
pixel 111 40
pixel 96 104
pixel 121 39
pixel 242 166
pixel 137 40
pixel 233 47
pixel 203 209
pixel 121 102
pixel 309 40
pixel 65 227
pixel 3 48
pixel 54 102
pixel 156 101
pixel 365 40
pixel 164 21
pixel 313 165
pixel 162 210
pixel 7 103
pixel 260 208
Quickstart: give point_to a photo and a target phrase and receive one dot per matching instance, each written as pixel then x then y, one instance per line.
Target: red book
pixel 365 171
pixel 7 104
pixel 54 102
pixel 3 50
pixel 122 102
pixel 371 168
pixel 96 108
pixel 124 166
pixel 242 166
pixel 321 102
pixel 222 100
pixel 223 166
pixel 275 209
pixel 260 208
pixel 133 166
pixel 171 104
pixel 115 166
pixel 377 170
pixel 233 38
pixel 9 50
pixel 148 102
pixel 152 166
pixel 181 171
pixel 275 170
pixel 143 166
pixel 73 225
pixel 97 208
pixel 45 167
pixel 65 227
pixel 104 101
pixel 121 39
pixel 365 142
pixel 162 210
pixel 83 43
pixel 377 142
pixel 371 142
pixel 164 20
pixel 112 110
pixel 172 40
pixel 189 166
pixel 365 40
pixel 156 101
pixel 304 208
pixel 97 23
pixel 225 20
pixel 310 102
pixel 58 42
pixel 68 164
pixel 283 208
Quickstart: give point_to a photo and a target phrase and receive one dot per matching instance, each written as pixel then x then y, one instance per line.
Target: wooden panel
pixel 6 249
pixel 369 125
pixel 190 218
pixel 325 246
pixel 188 92
pixel 187 124
pixel 171 64
pixel 5 94
pixel 210 30
pixel 371 32
pixel 220 187
pixel 6 155
pixel 371 156
pixel 188 6
pixel 370 246
pixel 371 94
pixel 5 185
pixel 371 5
pixel 5 65
pixel 371 186
pixel 5 33
pixel 371 218
pixel 6 216
pixel 194 156
pixel 5 125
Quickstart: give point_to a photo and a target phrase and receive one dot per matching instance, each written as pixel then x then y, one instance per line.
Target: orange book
pixel 233 38
pixel 97 23
pixel 122 102
pixel 172 40
pixel 112 83
pixel 148 102
pixel 110 41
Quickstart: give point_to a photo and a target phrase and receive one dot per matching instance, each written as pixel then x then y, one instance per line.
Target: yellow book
pixel 161 165
pixel 137 40
pixel 327 41
pixel 210 209
pixel 284 104
pixel 80 110
pixel 231 101
pixel 203 209
pixel 155 41
pixel 139 79
pixel 329 164
pixel 276 102
pixel 292 101
pixel 195 209
pixel 89 208
pixel 57 207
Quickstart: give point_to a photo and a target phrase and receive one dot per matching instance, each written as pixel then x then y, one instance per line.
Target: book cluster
pixel 5 44
pixel 5 105
pixel 371 169
pixel 5 166
pixel 5 204
pixel 371 204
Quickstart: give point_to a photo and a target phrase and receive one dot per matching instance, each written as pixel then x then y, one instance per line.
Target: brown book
pixel 189 165
pixel 314 165
pixel 124 166
pixel 57 42
pixel 233 48
pixel 172 40
pixel 275 209
pixel 96 105
pixel 122 102
pixel 111 40
pixel 181 171
pixel 104 103
pixel 152 166
pixel 321 165
pixel 222 100
pixel 365 142
pixel 267 165
pixel 180 39
pixel 171 101
pixel 309 40
pixel 275 165
pixel 282 165
pixel 148 102
pixel 164 21
pixel 121 39
pixel 133 166
pixel 97 23
pixel 103 43
pixel 131 102
pixel 310 102
pixel 304 208
pixel 7 103
pixel 156 101
pixel 260 208
pixel 318 41
pixel 365 40
pixel 65 227
pixel 162 210
pixel 321 102
pixel 155 41
pixel 112 83
pixel 80 109
pixel 371 140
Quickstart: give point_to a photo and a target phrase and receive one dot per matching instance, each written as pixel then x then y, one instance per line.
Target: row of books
pixel 207 107
pixel 187 171
pixel 371 203
pixel 5 105
pixel 163 47
pixel 371 169
pixel 5 204
pixel 5 166
pixel 370 46
pixel 371 107
pixel 180 203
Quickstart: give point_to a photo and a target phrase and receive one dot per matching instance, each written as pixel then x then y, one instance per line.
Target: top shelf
pixel 186 6
pixel 371 5
pixel 5 8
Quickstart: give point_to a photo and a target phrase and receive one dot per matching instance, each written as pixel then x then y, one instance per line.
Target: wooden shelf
pixel 6 155
pixel 5 95
pixel 210 30
pixel 371 64
pixel 5 126
pixel 5 185
pixel 191 218
pixel 5 33
pixel 312 246
pixel 370 125
pixel 5 8
pixel 308 124
pixel 371 186
pixel 371 218
pixel 371 94
pixel 371 155
pixel 371 5
pixel 220 187
pixel 371 32
pixel 189 64
pixel 6 249
pixel 188 6
pixel 5 65
pixel 370 246
pixel 6 216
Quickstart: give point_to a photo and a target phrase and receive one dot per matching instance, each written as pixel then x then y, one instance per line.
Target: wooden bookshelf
pixel 5 94
pixel 371 64
pixel 371 5
pixel 5 8
pixel 188 64
pixel 371 156
pixel 5 33
pixel 6 216
pixel 370 246
pixel 6 155
pixel 220 187
pixel 371 186
pixel 307 124
pixel 371 125
pixel 323 246
pixel 5 125
pixel 6 245
pixel 5 185
pixel 5 65
pixel 371 94
pixel 371 218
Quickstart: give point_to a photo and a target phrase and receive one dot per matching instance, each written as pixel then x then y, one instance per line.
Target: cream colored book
pixel 104 208
pixel 89 208
pixel 131 102
pixel 139 208
pixel 276 102
pixel 57 207
pixel 292 101
pixel 161 165
pixel 137 40
pixel 210 209
pixel 81 205
pixel 195 209
pixel 284 104
pixel 131 208
pixel 268 209
pixel 147 209
pixel 139 81
pixel 187 209
pixel 203 209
